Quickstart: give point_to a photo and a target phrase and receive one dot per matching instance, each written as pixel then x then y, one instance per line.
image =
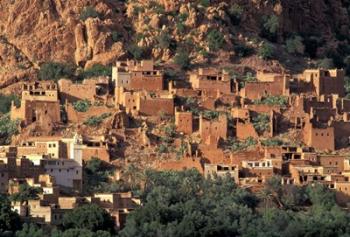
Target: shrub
pixel 94 121
pixel 135 51
pixel 215 40
pixel 8 128
pixel 204 3
pixel 295 45
pixel 90 217
pixel 96 175
pixel 55 71
pixel 236 145
pixel 242 50
pixel 271 24
pixel 182 58
pixel 82 105
pixel 163 148
pixel 266 51
pixel 192 104
pixel 116 36
pixel 272 142
pixel 97 70
pixel 326 63
pixel 180 27
pixel 169 130
pixel 235 13
pixel 5 103
pixel 209 114
pixel 261 123
pixel 88 12
pixel 163 40
pixel 270 27
pixel 183 17
pixel 247 78
pixel 273 100
pixel 26 193
pixel 157 8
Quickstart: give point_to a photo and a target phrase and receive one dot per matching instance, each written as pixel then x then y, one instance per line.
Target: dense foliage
pixel 266 51
pixel 5 103
pixel 90 217
pixel 273 100
pixel 97 70
pixel 8 128
pixel 215 40
pixel 55 71
pixel 9 220
pixel 96 176
pixel 185 204
pixel 26 193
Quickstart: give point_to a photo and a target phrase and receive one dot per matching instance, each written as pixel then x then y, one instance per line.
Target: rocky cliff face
pixel 37 31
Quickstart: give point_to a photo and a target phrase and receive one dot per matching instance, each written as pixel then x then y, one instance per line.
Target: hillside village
pixel 252 127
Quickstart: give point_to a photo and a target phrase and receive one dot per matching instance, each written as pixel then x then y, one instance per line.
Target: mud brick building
pixel 135 75
pixel 90 89
pixel 39 103
pixel 267 84
pixel 211 80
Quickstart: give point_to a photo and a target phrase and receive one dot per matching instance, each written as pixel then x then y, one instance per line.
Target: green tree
pixel 30 230
pixel 90 217
pixel 326 63
pixel 8 128
pixel 185 204
pixel 295 45
pixel 235 12
pixel 55 71
pixel 75 232
pixel 136 51
pixel 273 100
pixel 5 102
pixel 97 70
pixel 236 145
pixel 266 51
pixel 270 27
pixel 9 220
pixel 261 123
pixel 26 193
pixel 182 58
pixel 94 121
pixel 96 175
pixel 116 36
pixel 210 114
pixel 164 40
pixel 82 105
pixel 215 40
pixel 88 12
pixel 319 195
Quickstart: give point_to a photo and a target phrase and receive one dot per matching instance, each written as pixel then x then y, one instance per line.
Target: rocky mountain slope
pixel 88 32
